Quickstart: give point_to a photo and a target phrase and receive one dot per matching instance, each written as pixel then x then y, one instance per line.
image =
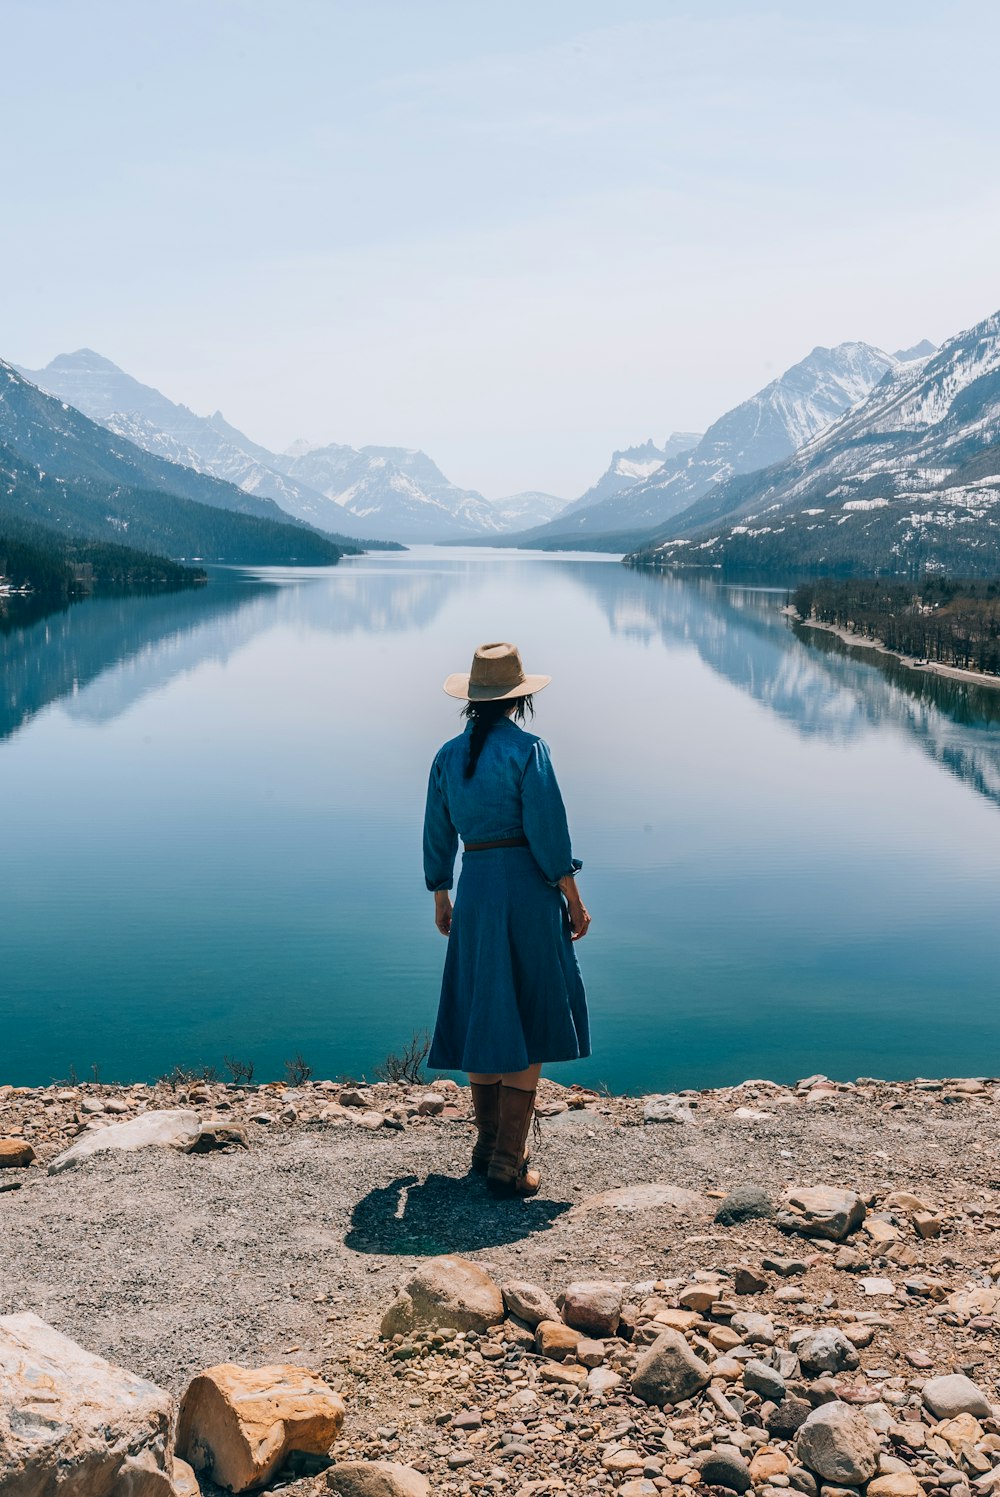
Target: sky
pixel 517 234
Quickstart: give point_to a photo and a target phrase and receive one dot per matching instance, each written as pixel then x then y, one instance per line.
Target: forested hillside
pixel 952 622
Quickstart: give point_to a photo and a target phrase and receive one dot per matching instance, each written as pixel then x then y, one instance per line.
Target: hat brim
pixel 458 686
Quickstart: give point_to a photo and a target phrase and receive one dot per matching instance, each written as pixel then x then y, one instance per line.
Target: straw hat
pixel 496 674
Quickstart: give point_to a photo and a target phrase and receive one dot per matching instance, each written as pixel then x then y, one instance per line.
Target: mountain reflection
pixel 807 677
pixel 101 656
pixel 104 654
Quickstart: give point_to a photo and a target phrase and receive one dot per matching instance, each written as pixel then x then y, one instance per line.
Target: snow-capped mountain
pixel 908 479
pixel 377 493
pixel 208 444
pixel 632 465
pixel 758 432
pixel 533 507
pixel 66 444
pixel 64 472
pixel 393 493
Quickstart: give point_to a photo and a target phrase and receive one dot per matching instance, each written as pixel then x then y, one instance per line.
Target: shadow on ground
pixel 443 1215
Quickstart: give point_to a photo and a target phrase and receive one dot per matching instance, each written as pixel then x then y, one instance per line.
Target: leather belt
pixel 501 842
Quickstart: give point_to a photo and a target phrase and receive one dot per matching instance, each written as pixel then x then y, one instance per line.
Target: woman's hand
pixel 579 920
pixel 442 911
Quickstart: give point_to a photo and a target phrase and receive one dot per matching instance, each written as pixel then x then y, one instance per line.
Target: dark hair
pixel 484 717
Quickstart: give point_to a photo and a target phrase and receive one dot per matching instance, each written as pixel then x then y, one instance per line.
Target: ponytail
pixel 484 717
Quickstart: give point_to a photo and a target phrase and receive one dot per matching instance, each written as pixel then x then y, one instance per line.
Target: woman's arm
pixel 579 920
pixel 440 836
pixel 545 826
pixel 442 911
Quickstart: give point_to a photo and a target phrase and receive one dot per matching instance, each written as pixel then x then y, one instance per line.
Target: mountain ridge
pixel 907 480
pixel 376 493
pixel 766 427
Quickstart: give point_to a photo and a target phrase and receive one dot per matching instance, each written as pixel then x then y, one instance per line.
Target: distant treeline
pixel 941 619
pixel 59 568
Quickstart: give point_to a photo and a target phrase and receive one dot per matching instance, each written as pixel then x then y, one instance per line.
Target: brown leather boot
pixel 486 1107
pixel 509 1174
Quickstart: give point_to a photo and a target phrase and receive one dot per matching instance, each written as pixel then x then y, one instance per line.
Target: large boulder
pixel 837 1444
pixel 376 1479
pixel 74 1424
pixel 669 1371
pixel 238 1425
pixel 445 1292
pixel 15 1153
pixel 947 1397
pixel 176 1128
pixel 822 1211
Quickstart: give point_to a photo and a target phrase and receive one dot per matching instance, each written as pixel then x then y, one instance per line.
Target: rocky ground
pixel 289 1245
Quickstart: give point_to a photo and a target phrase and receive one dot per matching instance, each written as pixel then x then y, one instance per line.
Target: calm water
pixel 210 812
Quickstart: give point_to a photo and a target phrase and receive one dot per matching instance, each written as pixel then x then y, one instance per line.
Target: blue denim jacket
pixel 513 793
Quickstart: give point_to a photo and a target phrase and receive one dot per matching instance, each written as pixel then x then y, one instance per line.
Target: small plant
pixel 408 1063
pixel 241 1071
pixel 189 1076
pixel 297 1070
pixel 95 1072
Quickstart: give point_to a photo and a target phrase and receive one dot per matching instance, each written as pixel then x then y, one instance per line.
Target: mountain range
pixel 770 425
pixel 906 480
pixel 368 493
pixel 62 471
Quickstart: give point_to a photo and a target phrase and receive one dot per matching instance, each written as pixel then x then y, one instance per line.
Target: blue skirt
pixel 512 994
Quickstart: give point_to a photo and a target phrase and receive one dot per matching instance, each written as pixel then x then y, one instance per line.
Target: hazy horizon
pixel 516 237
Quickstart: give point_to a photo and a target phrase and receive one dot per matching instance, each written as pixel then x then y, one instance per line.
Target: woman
pixel 512 996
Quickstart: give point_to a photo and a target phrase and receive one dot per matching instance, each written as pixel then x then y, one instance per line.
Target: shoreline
pixel 285 1240
pixel 860 641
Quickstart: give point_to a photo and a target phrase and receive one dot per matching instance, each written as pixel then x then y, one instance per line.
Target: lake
pixel 211 802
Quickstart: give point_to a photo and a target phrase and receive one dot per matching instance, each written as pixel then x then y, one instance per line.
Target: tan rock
pixel 185 1481
pixel 881 1233
pixel 678 1320
pixel 902 1200
pixel 724 1338
pixel 570 1374
pixel 699 1297
pixel 15 1153
pixel 376 1479
pixel 590 1353
pixel 556 1340
pixel 768 1463
pixel 964 1429
pixel 619 1461
pixel 74 1424
pixel 528 1302
pixel 926 1224
pixel 445 1291
pixel 895 1484
pixel 239 1424
pixel 823 1211
pixel 629 1199
pixel 977 1301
